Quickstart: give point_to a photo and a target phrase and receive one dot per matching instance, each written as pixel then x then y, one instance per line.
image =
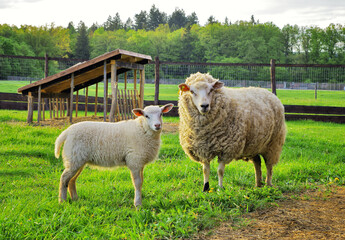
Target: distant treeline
pixel 180 37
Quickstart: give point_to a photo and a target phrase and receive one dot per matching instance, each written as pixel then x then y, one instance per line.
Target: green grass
pixel 170 92
pixel 174 205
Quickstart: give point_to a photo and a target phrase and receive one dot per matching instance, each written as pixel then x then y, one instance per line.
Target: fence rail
pixel 292 112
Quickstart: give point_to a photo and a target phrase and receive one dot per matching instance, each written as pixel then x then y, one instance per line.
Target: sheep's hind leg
pixel 137 179
pixel 206 170
pixel 221 168
pixel 258 174
pixel 66 176
pixel 71 185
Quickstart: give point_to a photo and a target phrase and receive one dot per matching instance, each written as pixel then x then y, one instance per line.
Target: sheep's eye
pixel 192 92
pixel 147 116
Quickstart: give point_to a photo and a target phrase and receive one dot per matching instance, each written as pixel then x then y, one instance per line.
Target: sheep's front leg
pixel 221 168
pixel 206 170
pixel 137 179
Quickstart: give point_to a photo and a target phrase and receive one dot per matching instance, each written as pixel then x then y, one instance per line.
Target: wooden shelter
pixel 61 86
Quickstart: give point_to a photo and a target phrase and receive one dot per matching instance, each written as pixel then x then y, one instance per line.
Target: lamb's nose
pixel 204 106
pixel 157 126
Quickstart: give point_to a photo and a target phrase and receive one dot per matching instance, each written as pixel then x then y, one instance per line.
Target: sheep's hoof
pixel 206 187
pixel 138 207
pixel 221 188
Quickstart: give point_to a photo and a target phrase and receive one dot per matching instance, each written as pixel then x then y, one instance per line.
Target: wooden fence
pixel 292 112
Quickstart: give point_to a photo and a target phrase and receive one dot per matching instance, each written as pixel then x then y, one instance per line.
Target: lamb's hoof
pixel 206 187
pixel 221 188
pixel 137 207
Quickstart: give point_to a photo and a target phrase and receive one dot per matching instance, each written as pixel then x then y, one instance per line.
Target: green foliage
pixel 174 205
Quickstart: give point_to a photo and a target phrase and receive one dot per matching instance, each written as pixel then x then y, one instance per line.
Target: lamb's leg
pixel 71 185
pixel 269 168
pixel 258 174
pixel 137 179
pixel 206 170
pixel 66 176
pixel 221 168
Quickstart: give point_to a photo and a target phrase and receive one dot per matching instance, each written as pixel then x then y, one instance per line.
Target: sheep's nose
pixel 204 107
pixel 157 126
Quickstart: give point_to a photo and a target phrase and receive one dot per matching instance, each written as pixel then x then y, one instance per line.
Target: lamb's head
pixel 201 88
pixel 153 115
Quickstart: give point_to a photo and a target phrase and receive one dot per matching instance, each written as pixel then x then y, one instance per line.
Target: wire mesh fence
pixel 303 77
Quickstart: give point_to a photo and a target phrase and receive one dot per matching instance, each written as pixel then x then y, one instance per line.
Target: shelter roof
pixel 86 73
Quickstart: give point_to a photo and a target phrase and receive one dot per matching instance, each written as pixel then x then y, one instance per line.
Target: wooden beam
pixel 114 87
pixel 76 104
pixel 129 65
pixel 125 81
pixel 156 99
pixel 39 104
pixel 142 84
pixel 96 99
pixel 30 108
pixel 71 99
pixel 105 91
pixel 273 76
pixel 86 100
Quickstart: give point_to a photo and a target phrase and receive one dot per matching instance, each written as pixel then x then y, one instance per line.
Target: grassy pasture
pixel 174 205
pixel 170 92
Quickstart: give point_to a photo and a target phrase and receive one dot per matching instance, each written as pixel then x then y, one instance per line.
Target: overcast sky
pixel 281 12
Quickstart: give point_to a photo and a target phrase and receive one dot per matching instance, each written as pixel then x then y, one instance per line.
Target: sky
pixel 281 12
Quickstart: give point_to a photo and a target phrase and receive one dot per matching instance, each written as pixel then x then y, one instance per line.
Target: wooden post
pixel 60 99
pixel 50 108
pixel 105 91
pixel 86 99
pixel 71 99
pixel 156 100
pixel 315 90
pixel 114 87
pixel 96 99
pixel 273 76
pixel 142 84
pixel 76 103
pixel 46 66
pixel 39 103
pixel 125 80
pixel 135 79
pixel 43 109
pixel 30 108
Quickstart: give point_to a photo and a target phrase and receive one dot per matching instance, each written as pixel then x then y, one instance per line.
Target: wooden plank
pixel 129 65
pixel 314 109
pixel 71 99
pixel 105 91
pixel 322 118
pixel 142 83
pixel 86 99
pixel 125 80
pixel 50 108
pixel 273 76
pixel 156 99
pixel 39 105
pixel 30 108
pixel 135 79
pixel 13 97
pixel 76 104
pixel 96 99
pixel 113 91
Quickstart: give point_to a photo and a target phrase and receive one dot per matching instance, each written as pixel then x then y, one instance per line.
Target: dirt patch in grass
pixel 316 214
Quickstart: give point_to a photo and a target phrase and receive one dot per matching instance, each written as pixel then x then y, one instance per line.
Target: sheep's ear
pixel 166 108
pixel 218 85
pixel 184 87
pixel 138 112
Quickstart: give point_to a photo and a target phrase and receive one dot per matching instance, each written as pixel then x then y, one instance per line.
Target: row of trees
pixel 180 38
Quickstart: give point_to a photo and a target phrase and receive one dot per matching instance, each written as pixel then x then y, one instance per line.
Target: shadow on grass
pixel 14 173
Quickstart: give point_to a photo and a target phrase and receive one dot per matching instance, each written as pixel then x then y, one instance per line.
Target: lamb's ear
pixel 217 85
pixel 166 108
pixel 138 112
pixel 184 87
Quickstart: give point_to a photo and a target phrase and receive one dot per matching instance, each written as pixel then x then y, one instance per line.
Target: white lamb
pixel 132 143
pixel 230 124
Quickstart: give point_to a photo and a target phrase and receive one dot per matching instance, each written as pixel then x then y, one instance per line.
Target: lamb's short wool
pixel 230 124
pixel 132 143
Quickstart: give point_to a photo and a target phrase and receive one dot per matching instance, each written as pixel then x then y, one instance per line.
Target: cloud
pixel 12 3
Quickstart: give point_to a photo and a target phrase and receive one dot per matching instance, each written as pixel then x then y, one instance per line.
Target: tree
pixel 211 20
pixel 114 23
pixel 177 19
pixel 129 24
pixel 141 20
pixel 156 18
pixel 71 28
pixel 192 19
pixel 82 50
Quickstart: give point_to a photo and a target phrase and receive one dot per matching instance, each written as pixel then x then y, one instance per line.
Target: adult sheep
pixel 132 143
pixel 230 124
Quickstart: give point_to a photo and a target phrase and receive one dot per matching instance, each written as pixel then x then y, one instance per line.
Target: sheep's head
pixel 153 115
pixel 201 93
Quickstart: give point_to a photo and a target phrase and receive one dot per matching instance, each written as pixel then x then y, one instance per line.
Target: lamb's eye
pixel 192 92
pixel 147 116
